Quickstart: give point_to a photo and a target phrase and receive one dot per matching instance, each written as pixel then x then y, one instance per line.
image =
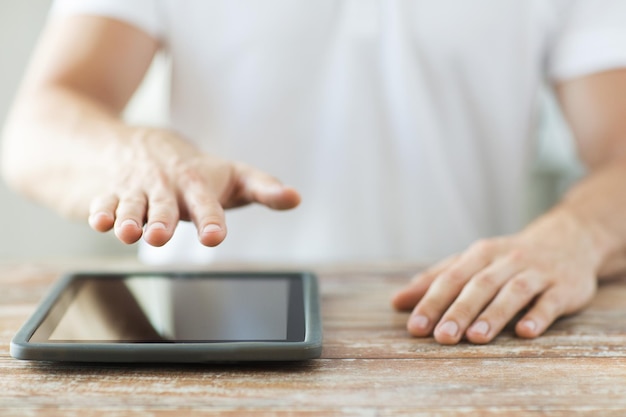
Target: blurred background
pixel 28 231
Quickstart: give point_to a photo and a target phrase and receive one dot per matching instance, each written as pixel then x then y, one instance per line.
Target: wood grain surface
pixel 369 365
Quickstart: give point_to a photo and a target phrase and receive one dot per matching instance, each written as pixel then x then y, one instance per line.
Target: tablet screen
pixel 175 308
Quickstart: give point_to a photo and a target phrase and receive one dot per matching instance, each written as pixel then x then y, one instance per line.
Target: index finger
pixel 408 297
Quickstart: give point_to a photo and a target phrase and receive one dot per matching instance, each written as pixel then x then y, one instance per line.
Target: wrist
pixel 566 230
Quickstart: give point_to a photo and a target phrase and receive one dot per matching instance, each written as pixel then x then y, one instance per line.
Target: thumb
pixel 260 187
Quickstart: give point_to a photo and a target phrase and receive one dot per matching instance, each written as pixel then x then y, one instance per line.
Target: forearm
pixel 591 218
pixel 59 147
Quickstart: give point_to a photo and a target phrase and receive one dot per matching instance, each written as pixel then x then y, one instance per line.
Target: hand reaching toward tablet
pixel 67 146
pixel 162 179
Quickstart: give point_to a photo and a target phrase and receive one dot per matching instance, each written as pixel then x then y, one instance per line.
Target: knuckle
pixel 520 285
pixel 189 177
pixel 483 248
pixel 202 203
pixel 163 200
pixel 161 179
pixel 485 280
pixel 516 256
pixel 454 277
pixel 133 199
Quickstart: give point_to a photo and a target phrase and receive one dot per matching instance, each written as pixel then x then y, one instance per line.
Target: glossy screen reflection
pixel 157 309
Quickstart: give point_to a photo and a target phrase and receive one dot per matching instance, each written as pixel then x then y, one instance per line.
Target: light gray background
pixel 28 231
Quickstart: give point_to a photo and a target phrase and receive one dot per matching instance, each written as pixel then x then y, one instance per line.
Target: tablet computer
pixel 175 317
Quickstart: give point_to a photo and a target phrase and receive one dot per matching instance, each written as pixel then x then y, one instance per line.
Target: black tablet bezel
pixel 303 333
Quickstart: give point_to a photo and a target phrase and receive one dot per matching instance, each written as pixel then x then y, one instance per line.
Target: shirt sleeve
pixel 591 38
pixel 143 14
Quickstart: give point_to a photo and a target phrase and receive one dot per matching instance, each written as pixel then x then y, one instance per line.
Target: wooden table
pixel 369 367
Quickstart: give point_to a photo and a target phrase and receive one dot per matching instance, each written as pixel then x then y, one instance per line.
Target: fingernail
pixel 449 328
pixel 100 215
pixel 418 322
pixel 158 226
pixel 480 327
pixel 211 228
pixel 530 325
pixel 129 223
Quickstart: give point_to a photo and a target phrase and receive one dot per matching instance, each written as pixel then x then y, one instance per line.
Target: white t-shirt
pixel 408 126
